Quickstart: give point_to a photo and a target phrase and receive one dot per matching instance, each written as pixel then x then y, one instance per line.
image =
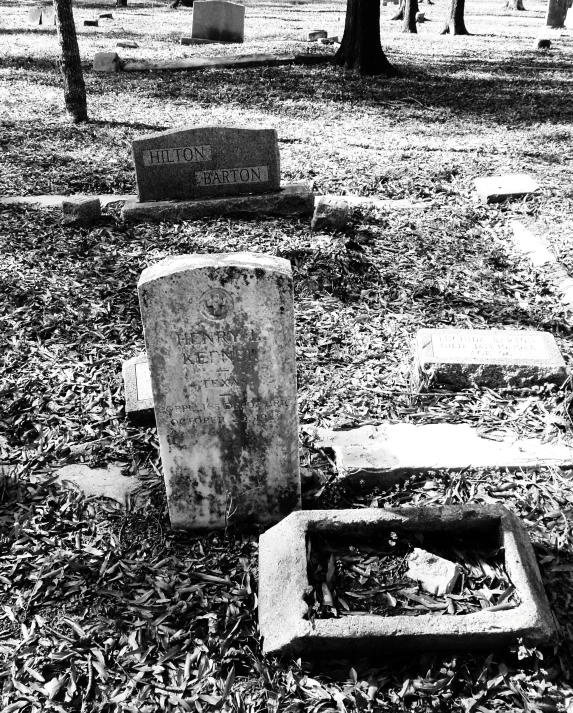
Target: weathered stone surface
pixel 315 35
pixel 219 331
pixel 284 618
pixel 137 388
pixel 91 23
pixel 98 482
pixel 130 44
pixel 50 201
pixel 81 210
pixel 106 62
pixel 495 189
pixel 330 212
pixel 291 201
pixel 380 456
pixel 329 40
pixel 556 13
pixel 461 358
pixel 218 20
pixel 35 15
pixel 206 162
pixel 434 574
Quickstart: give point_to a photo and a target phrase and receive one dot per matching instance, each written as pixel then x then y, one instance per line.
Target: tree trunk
pixel 455 24
pixel 400 11
pixel 410 12
pixel 360 47
pixel 74 87
pixel 515 4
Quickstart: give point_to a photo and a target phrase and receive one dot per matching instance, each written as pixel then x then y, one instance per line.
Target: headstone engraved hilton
pixel 460 358
pixel 206 162
pixel 219 331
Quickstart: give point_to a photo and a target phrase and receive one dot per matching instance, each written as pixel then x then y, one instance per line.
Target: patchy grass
pixel 105 609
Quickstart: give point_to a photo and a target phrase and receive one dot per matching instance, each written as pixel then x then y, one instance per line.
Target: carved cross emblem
pixel 216 303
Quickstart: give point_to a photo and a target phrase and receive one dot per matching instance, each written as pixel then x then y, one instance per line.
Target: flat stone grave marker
pixel 495 189
pixel 219 331
pixel 556 13
pixel 137 388
pixel 206 162
pixel 461 358
pixel 35 15
pixel 218 20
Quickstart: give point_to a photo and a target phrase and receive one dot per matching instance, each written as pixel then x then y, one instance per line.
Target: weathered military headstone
pixel 219 331
pixel 206 162
pixel 137 388
pixel 218 20
pixel 460 358
pixel 35 15
pixel 556 13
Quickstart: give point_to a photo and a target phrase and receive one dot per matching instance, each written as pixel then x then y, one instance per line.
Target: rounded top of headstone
pixel 184 263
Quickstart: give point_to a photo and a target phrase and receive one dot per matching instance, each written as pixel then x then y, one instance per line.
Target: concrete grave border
pixel 283 586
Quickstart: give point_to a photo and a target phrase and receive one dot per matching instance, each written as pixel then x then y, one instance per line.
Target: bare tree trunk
pixel 515 4
pixel 410 12
pixel 360 47
pixel 74 87
pixel 455 24
pixel 400 11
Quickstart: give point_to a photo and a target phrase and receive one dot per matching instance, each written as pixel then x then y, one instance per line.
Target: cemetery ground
pixel 103 608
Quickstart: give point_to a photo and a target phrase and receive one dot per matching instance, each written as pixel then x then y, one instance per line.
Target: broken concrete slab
pixel 55 201
pixel 81 210
pixel 496 358
pixel 295 200
pixel 249 60
pixel 330 212
pixel 98 482
pixel 380 456
pixel 434 574
pixel 137 388
pixel 495 189
pixel 284 617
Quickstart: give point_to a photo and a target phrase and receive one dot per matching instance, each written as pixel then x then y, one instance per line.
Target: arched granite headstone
pixel 219 331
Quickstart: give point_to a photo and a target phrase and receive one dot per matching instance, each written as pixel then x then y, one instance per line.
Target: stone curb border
pixel 541 256
pixel 283 585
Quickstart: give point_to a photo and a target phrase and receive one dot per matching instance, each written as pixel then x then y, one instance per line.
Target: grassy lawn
pixel 103 608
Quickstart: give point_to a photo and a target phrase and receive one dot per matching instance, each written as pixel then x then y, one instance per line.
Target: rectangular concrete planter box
pixel 283 584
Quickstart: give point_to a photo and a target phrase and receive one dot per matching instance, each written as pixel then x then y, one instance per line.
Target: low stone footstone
pixel 328 40
pixel 218 20
pixel 98 482
pixel 532 246
pixel 127 43
pixel 289 627
pixel 106 16
pixel 219 331
pixel 315 35
pixel 380 456
pixel 556 13
pixel 137 388
pixel 35 15
pixel 330 212
pixel 91 23
pixel 291 201
pixel 206 162
pixel 81 210
pixel 496 358
pixel 434 574
pixel 541 43
pixel 495 189
pixel 106 62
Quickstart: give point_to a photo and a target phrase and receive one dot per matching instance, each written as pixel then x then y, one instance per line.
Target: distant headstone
pixel 91 23
pixel 106 62
pixel 461 358
pixel 127 43
pixel 218 20
pixel 206 162
pixel 495 189
pixel 106 15
pixel 420 17
pixel 137 388
pixel 330 212
pixel 219 331
pixel 556 13
pixel 35 15
pixel 315 35
pixel 541 43
pixel 81 210
pixel 48 15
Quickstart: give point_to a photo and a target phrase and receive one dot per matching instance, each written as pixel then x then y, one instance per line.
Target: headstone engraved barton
pixel 460 358
pixel 206 162
pixel 219 331
pixel 218 20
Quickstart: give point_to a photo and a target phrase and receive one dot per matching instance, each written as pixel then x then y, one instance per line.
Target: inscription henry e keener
pixel 219 331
